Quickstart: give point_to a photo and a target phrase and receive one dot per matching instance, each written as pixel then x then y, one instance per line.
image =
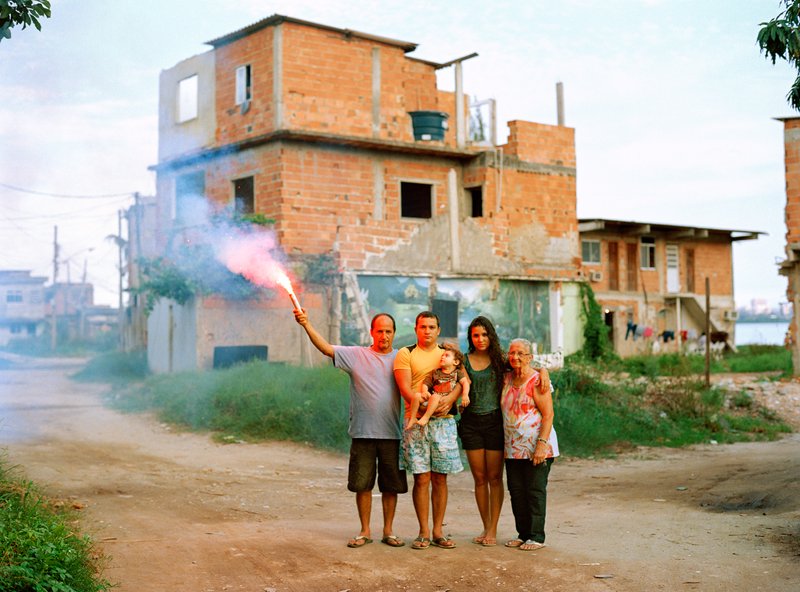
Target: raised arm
pixel 318 340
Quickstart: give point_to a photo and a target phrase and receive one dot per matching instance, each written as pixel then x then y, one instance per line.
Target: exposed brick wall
pixel 792 164
pixel 323 198
pixel 545 144
pixel 256 50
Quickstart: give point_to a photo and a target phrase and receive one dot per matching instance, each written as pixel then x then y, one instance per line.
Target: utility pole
pixel 81 312
pixel 708 334
pixel 121 273
pixel 54 321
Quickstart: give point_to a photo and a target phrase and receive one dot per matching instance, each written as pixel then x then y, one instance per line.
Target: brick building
pixel 650 281
pixel 790 267
pixel 309 125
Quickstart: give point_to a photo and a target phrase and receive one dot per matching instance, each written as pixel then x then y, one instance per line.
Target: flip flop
pixel 420 543
pixel 489 542
pixel 531 545
pixel 358 541
pixel 393 541
pixel 478 540
pixel 444 542
pixel 514 543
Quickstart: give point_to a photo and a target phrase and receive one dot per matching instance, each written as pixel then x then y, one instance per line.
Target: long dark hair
pixel 496 356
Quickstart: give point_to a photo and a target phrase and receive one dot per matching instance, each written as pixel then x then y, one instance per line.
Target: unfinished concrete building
pixel 314 127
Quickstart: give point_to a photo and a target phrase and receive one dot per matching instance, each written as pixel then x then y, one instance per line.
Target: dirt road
pixel 177 512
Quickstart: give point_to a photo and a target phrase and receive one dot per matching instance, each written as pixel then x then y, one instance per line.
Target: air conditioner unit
pixel 731 315
pixel 596 276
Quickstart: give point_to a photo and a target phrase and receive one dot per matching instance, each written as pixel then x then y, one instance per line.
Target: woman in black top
pixel 481 425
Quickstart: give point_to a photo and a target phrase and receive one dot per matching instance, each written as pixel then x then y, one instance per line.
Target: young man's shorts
pixel 432 447
pixel 369 456
pixel 484 431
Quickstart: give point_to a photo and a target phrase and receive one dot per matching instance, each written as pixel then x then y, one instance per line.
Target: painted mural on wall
pixel 517 308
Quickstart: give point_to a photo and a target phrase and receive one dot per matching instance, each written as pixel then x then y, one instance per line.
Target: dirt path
pixel 177 512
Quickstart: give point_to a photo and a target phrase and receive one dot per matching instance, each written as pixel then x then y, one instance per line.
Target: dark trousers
pixel 527 486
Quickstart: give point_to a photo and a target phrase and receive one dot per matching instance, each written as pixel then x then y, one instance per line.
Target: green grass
pixel 602 415
pixel 596 414
pixel 255 401
pixel 114 367
pixel 40 551
pixel 748 358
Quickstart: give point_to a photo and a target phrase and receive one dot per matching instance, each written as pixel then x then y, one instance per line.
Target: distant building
pixel 78 316
pixel 22 305
pixel 650 281
pixel 760 306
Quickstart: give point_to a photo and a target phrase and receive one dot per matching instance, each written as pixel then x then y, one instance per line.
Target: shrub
pixel 39 548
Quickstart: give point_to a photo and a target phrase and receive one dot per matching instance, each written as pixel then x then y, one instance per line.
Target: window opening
pixel 14 296
pixel 187 99
pixel 476 201
pixel 244 196
pixel 416 200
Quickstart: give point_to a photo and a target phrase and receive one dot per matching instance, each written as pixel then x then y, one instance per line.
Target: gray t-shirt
pixel 374 396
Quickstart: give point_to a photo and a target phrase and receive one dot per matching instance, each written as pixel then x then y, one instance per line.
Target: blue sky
pixel 672 104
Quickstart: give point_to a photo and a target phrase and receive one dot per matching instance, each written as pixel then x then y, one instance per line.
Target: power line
pixel 64 195
pixel 74 213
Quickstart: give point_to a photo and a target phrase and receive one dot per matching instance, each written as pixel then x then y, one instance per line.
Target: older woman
pixel 481 425
pixel 530 444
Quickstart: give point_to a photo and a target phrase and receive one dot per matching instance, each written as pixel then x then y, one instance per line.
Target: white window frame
pixel 595 244
pixel 647 252
pixel 188 98
pixel 244 84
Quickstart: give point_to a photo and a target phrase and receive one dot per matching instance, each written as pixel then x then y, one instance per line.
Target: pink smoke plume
pixel 251 256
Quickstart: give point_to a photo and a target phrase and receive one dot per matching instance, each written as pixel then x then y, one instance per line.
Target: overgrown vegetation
pixel 40 549
pixel 596 344
pixel 748 358
pixel 254 401
pixel 596 413
pixel 601 414
pixel 115 367
pixel 192 270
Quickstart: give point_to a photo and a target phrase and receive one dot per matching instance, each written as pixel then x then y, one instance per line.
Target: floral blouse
pixel 522 419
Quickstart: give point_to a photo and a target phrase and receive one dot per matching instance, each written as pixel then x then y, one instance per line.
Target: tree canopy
pixel 21 12
pixel 780 38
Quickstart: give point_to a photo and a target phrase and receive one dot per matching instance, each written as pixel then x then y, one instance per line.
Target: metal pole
pixel 708 335
pixel 54 326
pixel 121 311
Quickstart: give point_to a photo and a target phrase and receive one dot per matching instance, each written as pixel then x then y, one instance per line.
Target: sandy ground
pixel 177 512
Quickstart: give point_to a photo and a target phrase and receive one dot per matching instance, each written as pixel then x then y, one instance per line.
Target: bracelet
pixel 542 440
